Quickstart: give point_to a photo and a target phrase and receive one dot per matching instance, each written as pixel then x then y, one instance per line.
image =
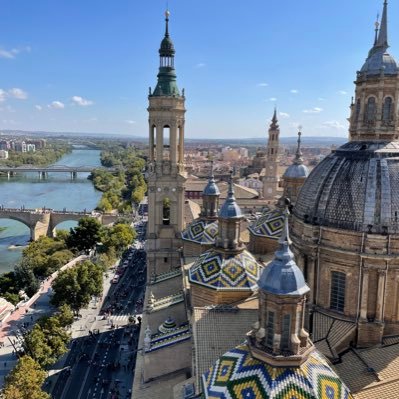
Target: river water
pixel 58 191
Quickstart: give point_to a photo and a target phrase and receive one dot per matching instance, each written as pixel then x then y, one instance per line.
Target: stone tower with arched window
pixel 345 227
pixel 271 177
pixel 166 175
pixel 373 115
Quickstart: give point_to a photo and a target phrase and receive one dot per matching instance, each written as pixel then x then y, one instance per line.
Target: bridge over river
pixel 44 170
pixel 43 221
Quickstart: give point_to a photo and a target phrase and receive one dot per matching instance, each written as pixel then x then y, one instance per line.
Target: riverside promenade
pixel 26 313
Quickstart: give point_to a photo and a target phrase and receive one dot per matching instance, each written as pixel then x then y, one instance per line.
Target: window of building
pixel 337 294
pixel 166 142
pixel 270 329
pixel 387 110
pixel 165 260
pixel 166 211
pixel 358 106
pixel 371 110
pixel 285 334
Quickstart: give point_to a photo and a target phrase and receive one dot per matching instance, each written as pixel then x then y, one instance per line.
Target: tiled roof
pixel 165 302
pixel 238 375
pixel 165 276
pixel 330 333
pixel 216 331
pixel 270 224
pixel 173 337
pixel 201 231
pixel 371 373
pixel 218 270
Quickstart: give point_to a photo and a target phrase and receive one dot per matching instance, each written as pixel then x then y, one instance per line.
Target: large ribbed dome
pixel 356 188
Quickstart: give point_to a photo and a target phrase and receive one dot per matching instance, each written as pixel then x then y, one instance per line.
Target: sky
pixel 86 66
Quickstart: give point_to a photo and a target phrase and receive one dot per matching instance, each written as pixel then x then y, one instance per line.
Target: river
pixel 58 191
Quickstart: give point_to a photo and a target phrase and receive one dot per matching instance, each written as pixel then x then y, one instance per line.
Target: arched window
pixel 285 333
pixel 153 153
pixel 387 110
pixel 270 329
pixel 371 110
pixel 337 293
pixel 166 212
pixel 358 106
pixel 166 142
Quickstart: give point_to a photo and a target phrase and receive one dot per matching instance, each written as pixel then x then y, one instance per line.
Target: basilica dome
pixel 356 188
pixel 380 61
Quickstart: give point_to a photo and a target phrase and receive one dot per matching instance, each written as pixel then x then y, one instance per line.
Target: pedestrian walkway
pixel 24 316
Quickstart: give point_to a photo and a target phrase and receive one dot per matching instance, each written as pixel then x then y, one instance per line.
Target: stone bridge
pixel 43 222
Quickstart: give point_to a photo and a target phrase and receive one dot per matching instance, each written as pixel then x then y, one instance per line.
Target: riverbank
pixel 58 191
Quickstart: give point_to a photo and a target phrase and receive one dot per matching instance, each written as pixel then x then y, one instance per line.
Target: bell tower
pixel 165 163
pixel 374 112
pixel 270 179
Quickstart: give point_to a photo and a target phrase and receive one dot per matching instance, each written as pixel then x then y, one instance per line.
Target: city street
pixel 100 363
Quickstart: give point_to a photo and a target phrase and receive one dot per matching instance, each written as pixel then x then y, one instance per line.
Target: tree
pixel 48 340
pixel 64 315
pixel 25 381
pixel 119 237
pixel 25 278
pixel 77 285
pixel 85 235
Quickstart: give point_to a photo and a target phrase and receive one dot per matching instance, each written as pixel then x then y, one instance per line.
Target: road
pixel 100 363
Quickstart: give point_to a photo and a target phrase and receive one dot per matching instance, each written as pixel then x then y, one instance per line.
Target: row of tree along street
pixel 73 289
pixel 43 257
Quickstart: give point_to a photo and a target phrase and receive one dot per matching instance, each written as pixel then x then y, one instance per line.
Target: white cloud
pixel 11 54
pixel 17 93
pixel 3 95
pixel 283 115
pixel 200 65
pixel 321 99
pixel 315 110
pixel 130 122
pixel 342 92
pixel 294 91
pixel 56 105
pixel 83 102
pixel 273 99
pixel 263 84
pixel 38 107
pixel 334 125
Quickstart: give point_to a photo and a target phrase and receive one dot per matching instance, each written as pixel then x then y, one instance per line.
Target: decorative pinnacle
pixel 211 176
pixel 285 234
pixel 231 186
pixel 298 155
pixel 167 14
pixel 274 124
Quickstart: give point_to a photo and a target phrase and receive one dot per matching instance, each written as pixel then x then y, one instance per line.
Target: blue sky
pixel 85 66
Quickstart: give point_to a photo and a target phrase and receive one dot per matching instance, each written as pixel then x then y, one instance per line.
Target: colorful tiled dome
pixel 238 375
pixel 201 231
pixel 270 224
pixel 219 270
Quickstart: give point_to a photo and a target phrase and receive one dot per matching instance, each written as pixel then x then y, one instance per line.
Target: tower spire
pixel 298 155
pixel 382 40
pixel 167 13
pixel 166 85
pixel 274 124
